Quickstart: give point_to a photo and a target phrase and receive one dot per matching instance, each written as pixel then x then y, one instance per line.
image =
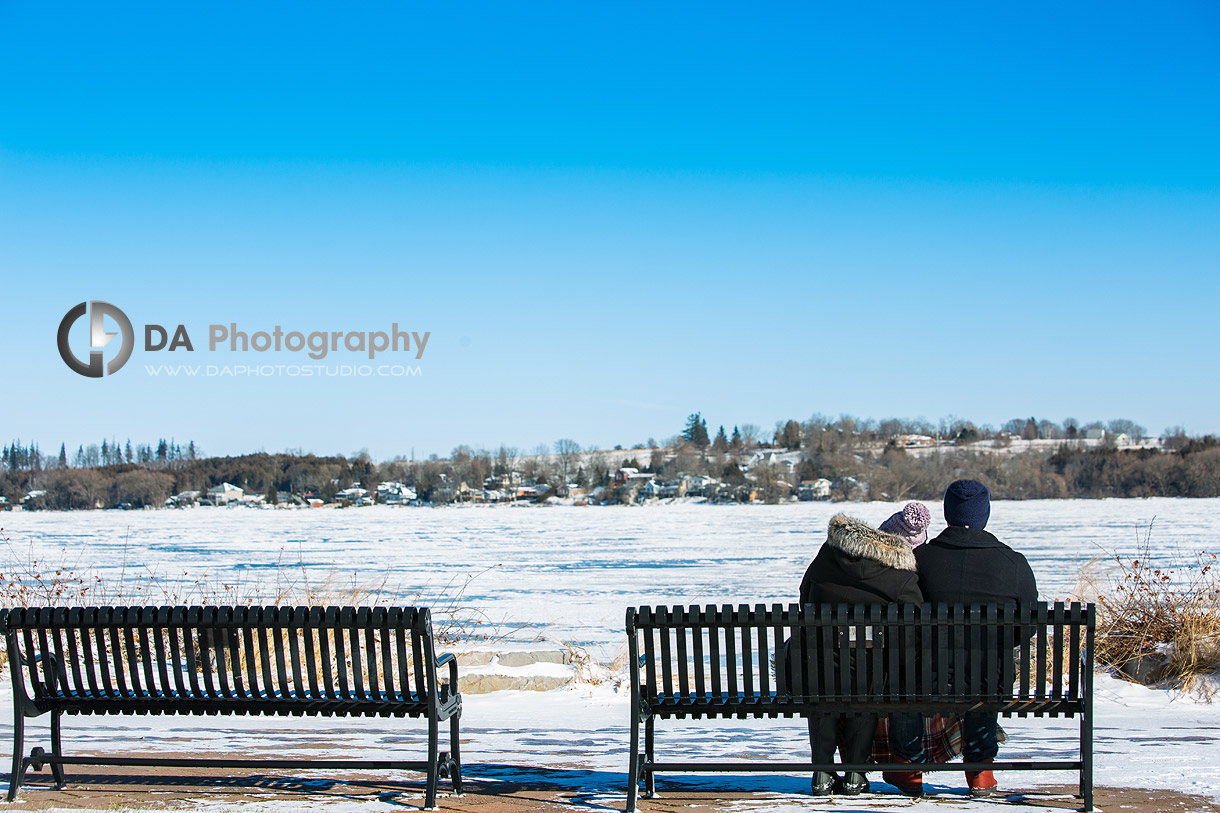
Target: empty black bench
pixel 367 661
pixel 709 662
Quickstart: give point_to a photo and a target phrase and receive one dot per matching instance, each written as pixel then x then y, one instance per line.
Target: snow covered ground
pixel 567 574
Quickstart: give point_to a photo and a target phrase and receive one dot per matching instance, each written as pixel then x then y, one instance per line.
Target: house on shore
pixel 224 494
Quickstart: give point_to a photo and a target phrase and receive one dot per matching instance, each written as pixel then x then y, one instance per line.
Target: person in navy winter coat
pixel 966 564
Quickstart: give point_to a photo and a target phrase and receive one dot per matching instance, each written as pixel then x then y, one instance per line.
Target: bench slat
pixel 1074 651
pixel 682 631
pixel 79 671
pixel 1040 680
pixel 370 648
pixel 742 621
pixel 666 687
pixel 404 665
pixel 759 629
pixel 387 666
pixel 725 622
pixel 417 657
pixel 713 638
pixel 697 632
pixel 1057 668
pixel 347 620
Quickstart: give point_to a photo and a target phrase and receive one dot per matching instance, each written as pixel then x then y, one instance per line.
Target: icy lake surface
pixel 564 573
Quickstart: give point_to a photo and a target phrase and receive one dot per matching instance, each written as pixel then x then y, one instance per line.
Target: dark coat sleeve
pixel 909 592
pixel 1027 585
pixel 807 585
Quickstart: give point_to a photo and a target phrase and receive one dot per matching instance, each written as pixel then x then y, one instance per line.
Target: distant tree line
pixel 863 458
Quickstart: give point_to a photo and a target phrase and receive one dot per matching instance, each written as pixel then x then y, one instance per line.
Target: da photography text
pixel 316 344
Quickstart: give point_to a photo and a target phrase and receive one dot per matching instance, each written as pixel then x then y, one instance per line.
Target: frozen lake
pixel 565 573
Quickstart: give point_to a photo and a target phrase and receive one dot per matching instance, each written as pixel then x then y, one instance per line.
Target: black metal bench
pixel 696 662
pixel 357 661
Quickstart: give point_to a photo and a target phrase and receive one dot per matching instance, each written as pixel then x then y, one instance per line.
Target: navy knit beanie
pixel 967 502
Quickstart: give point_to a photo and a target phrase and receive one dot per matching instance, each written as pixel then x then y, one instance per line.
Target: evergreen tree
pixel 721 443
pixel 105 453
pixel 735 441
pixel 63 457
pixel 790 436
pixel 127 452
pixel 695 432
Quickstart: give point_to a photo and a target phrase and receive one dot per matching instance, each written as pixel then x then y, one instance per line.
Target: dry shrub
pixel 1159 623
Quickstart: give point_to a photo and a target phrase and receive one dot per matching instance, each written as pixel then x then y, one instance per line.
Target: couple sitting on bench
pixel 896 563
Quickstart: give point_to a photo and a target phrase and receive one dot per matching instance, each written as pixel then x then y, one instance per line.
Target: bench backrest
pixel 766 661
pixel 245 654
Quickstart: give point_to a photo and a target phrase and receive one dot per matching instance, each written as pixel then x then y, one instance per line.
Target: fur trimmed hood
pixel 856 538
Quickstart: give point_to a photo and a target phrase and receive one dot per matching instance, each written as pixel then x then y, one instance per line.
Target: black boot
pixel 853 784
pixel 823 783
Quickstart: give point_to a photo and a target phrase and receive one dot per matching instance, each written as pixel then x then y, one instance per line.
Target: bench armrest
pixel 451 659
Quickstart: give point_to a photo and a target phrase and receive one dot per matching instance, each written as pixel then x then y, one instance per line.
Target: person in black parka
pixel 858 564
pixel 967 564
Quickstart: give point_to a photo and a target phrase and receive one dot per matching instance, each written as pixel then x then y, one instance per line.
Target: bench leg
pixel 650 778
pixel 455 755
pixel 433 761
pixel 633 763
pixel 1086 760
pixel 14 779
pixel 57 769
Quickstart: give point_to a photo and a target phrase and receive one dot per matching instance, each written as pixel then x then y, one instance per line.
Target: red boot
pixel 982 783
pixel 909 782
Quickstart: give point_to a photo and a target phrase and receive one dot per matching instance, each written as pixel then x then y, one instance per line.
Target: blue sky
pixel 609 217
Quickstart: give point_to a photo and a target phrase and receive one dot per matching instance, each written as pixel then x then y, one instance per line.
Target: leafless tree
pixel 568 452
pixel 750 433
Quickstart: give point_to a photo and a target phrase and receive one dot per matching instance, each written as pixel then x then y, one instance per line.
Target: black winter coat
pixel 971 566
pixel 858 563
